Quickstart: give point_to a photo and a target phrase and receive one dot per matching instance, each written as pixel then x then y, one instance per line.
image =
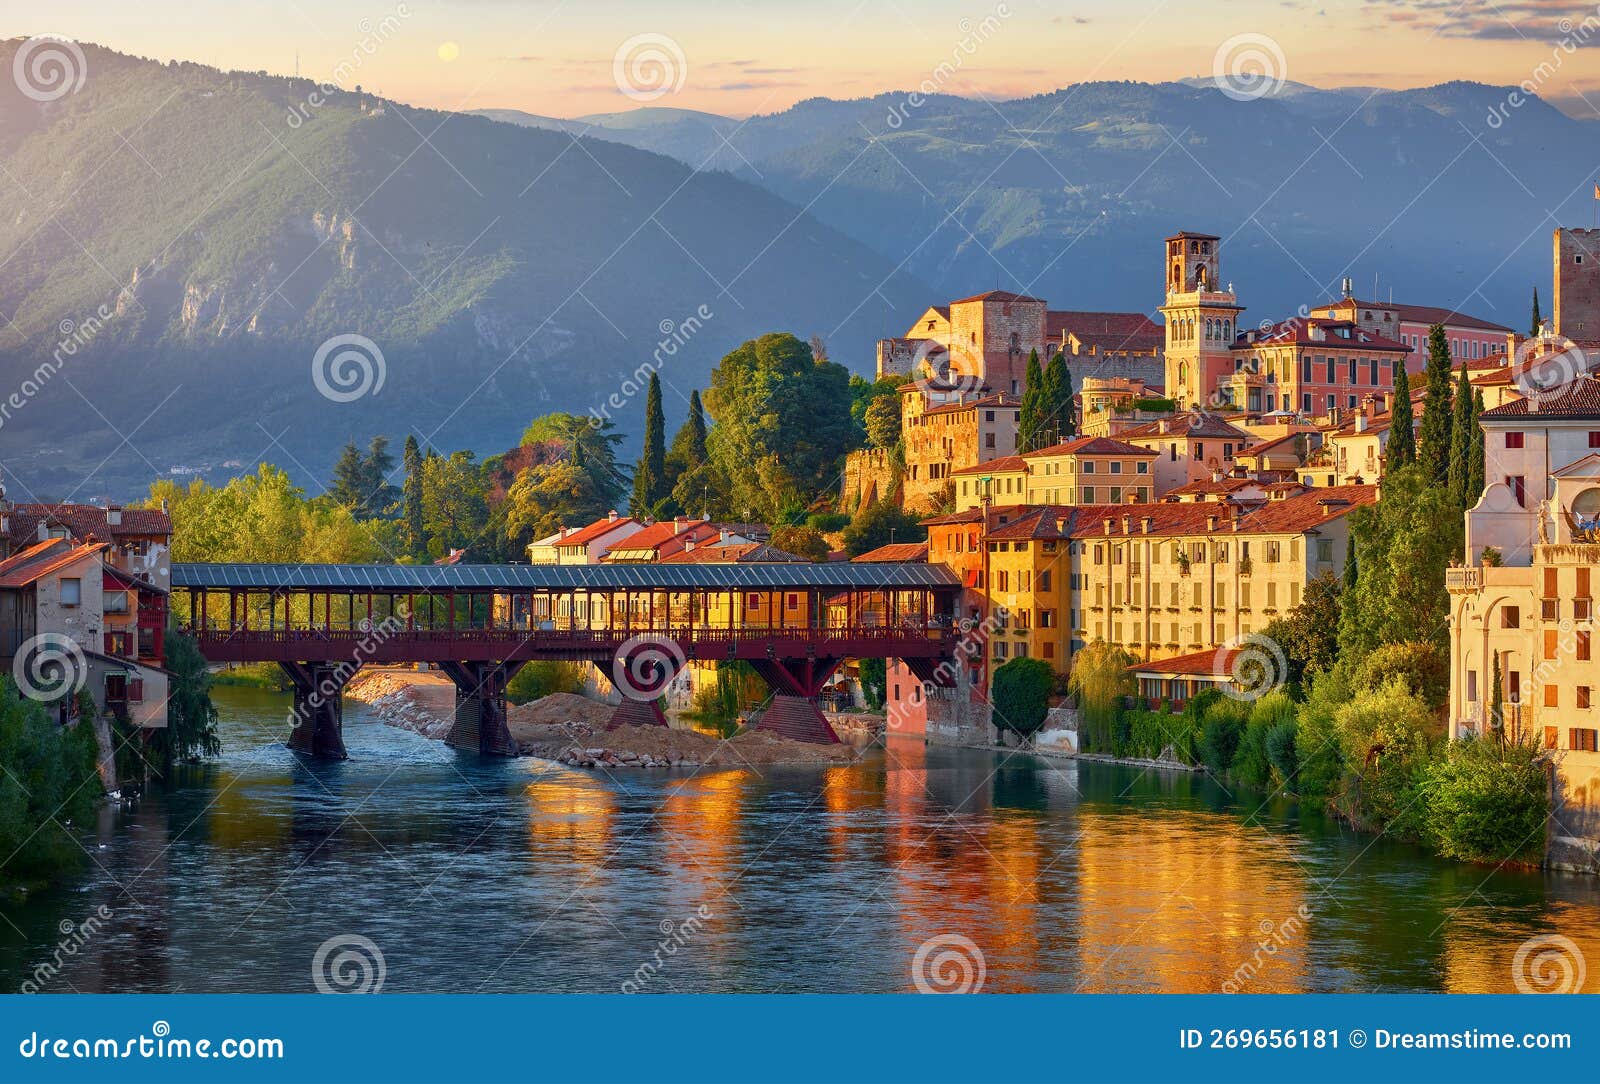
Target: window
pixel 1552 696
pixel 1513 440
pixel 1087 468
pixel 71 592
pixel 1518 485
pixel 1582 645
pixel 1584 740
pixel 1510 618
pixel 1325 551
pixel 1552 644
pixel 1583 696
pixel 1144 468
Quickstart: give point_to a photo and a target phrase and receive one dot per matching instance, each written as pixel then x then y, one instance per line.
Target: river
pixel 467 874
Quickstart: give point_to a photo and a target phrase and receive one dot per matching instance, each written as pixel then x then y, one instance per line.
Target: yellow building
pixel 1000 481
pixel 1090 470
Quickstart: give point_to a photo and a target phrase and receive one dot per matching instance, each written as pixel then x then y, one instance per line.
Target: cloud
pixel 1494 20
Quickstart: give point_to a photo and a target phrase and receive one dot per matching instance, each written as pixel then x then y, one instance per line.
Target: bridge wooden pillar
pixel 317 722
pixel 480 723
pixel 796 684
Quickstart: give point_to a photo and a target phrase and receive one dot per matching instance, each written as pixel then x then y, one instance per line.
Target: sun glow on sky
pixel 561 57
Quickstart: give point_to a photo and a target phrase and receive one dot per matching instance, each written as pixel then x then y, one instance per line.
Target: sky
pixel 570 58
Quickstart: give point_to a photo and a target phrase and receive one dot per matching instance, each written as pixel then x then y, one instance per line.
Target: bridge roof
pixel 488 578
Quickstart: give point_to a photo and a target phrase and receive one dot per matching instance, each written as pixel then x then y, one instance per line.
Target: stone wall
pixel 868 477
pixel 1577 283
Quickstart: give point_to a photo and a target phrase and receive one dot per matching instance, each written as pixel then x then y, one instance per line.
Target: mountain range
pixel 1446 194
pixel 232 225
pixel 196 237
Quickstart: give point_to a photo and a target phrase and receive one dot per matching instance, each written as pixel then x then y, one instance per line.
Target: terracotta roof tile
pixel 85 521
pixel 598 529
pixel 43 558
pixel 992 466
pixel 895 553
pixel 1092 446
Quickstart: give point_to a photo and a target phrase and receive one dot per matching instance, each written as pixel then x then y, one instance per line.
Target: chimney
pixel 1216 474
pixel 1211 523
pixel 1108 526
pixel 113 515
pixel 679 523
pixel 43 532
pixel 1373 405
pixel 1127 524
pixel 163 506
pixel 612 517
pixel 1361 422
pixel 1147 523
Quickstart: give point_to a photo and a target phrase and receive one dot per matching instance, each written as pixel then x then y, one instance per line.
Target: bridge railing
pixel 596 637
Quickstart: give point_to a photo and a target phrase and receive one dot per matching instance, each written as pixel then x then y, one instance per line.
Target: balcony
pixel 1463 581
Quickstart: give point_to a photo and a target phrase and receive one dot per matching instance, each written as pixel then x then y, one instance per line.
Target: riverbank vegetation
pixel 48 791
pixel 1355 721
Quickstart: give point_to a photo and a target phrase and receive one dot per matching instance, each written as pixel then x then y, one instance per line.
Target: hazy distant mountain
pixel 231 225
pixel 1068 194
pixel 685 134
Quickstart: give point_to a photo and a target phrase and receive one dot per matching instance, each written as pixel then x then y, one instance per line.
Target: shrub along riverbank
pixel 1368 747
pixel 48 791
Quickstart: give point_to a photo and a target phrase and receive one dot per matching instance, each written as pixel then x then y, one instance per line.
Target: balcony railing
pixel 1463 580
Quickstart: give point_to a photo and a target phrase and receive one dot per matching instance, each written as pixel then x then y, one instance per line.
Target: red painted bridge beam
pixel 795 685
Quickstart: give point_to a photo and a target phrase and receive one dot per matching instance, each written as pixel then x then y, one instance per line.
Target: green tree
pixel 782 423
pixel 191 729
pixel 416 533
pixel 1536 321
pixel 379 494
pixel 1401 450
pixel 1351 569
pixel 801 541
pixel 1421 668
pixel 1030 417
pixel 879 525
pixel 454 508
pixel 1100 680
pixel 48 791
pixel 874 681
pixel 1488 803
pixel 1386 741
pixel 1020 695
pixel 688 444
pixel 349 478
pixel 544 498
pixel 1309 633
pixel 650 486
pixel 1476 452
pixel 1462 431
pixel 1058 422
pixel 1405 542
pixel 587 445
pixel 1433 440
pixel 883 422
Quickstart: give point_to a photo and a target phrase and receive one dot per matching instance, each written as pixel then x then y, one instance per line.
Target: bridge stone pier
pixel 317 723
pixel 793 622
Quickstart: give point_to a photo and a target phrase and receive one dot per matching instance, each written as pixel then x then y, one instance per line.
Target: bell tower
pixel 1201 318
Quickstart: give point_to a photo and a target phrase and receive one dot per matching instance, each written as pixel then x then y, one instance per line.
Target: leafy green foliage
pixel 782 424
pixel 650 483
pixel 1099 683
pixel 455 506
pixel 874 681
pixel 1386 738
pixel 1309 634
pixel 1421 668
pixel 1463 431
pixel 1401 451
pixel 49 788
pixel 1488 802
pixel 879 525
pixel 827 522
pixel 804 542
pixel 191 729
pixel 688 449
pixel 1021 694
pixel 1034 405
pixel 1057 421
pixel 1222 725
pixel 1405 541
pixel 544 677
pixel 883 422
pixel 1433 440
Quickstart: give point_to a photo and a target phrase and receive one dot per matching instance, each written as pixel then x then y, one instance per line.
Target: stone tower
pixel 1577 283
pixel 1201 317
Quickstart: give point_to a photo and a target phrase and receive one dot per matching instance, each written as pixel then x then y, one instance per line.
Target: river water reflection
pixel 471 875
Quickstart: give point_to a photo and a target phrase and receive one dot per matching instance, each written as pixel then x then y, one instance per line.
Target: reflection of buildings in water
pixel 1479 957
pixel 703 836
pixel 1187 903
pixel 571 818
pixel 849 789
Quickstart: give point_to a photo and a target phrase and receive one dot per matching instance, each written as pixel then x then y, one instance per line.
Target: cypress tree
pixel 1030 419
pixel 1058 394
pixel 1461 431
pixel 416 533
pixel 1402 449
pixel 1533 326
pixel 650 477
pixel 1475 479
pixel 1433 439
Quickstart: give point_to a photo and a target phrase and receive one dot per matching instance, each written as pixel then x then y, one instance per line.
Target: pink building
pixel 1471 339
